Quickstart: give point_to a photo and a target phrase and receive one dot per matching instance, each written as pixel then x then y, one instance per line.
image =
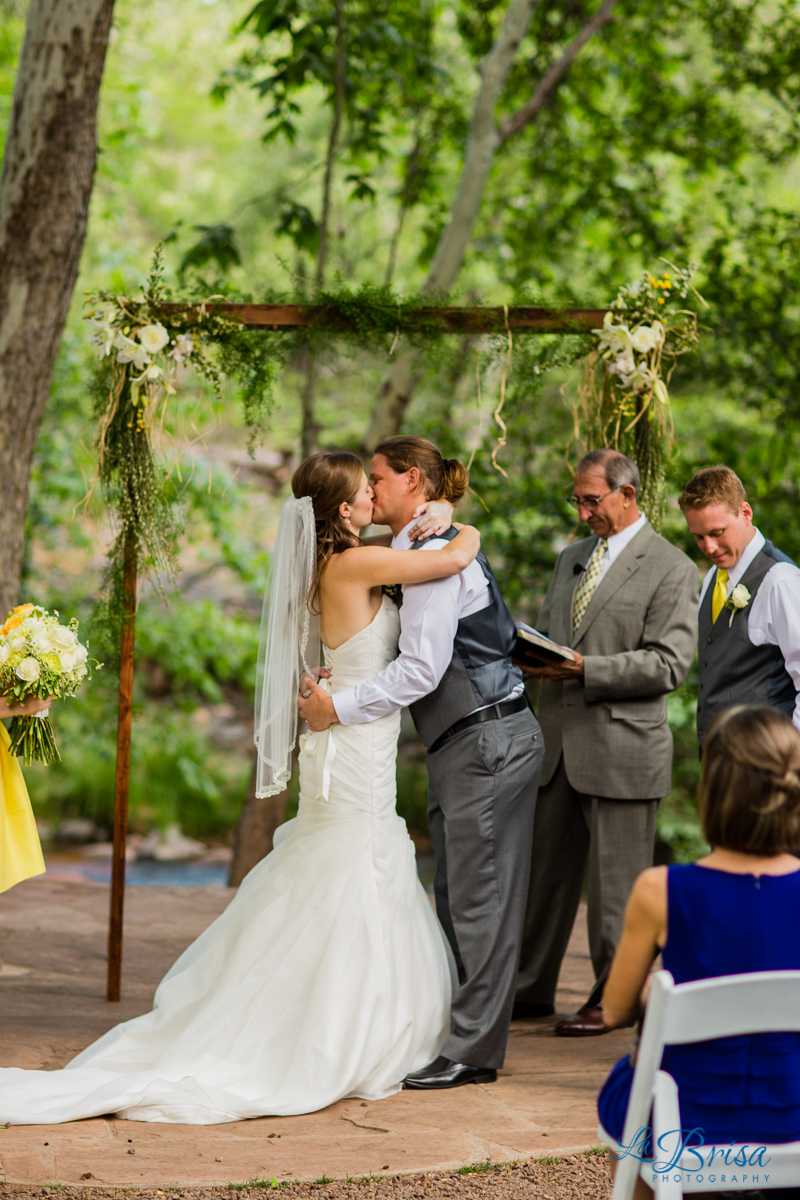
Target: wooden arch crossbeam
pixel 451 319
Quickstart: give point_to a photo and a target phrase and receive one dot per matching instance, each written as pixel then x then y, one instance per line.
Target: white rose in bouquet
pixel 69 660
pixel 4 653
pixel 17 640
pixel 28 670
pixel 73 658
pixel 153 338
pixel 40 632
pixel 62 638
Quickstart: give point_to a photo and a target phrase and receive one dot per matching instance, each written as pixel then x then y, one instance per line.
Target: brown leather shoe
pixel 587 1022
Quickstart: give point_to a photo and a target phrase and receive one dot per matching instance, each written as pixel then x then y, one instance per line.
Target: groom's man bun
pixel 443 478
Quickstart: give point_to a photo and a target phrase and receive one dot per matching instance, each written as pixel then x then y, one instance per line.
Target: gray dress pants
pixel 481 798
pixel 573 831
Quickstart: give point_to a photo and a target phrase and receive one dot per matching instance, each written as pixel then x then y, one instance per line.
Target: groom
pixel 484 756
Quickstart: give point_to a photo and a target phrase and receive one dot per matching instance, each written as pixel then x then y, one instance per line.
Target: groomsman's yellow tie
pixel 720 594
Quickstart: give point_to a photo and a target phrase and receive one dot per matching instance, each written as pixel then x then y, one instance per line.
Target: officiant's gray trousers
pixel 481 796
pixel 576 835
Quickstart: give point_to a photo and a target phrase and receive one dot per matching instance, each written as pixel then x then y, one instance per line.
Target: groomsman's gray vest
pixel 732 669
pixel 481 671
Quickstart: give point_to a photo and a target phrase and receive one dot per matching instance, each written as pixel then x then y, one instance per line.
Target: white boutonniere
pixel 739 598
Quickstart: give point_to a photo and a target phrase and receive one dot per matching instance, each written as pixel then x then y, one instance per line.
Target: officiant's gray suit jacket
pixel 638 637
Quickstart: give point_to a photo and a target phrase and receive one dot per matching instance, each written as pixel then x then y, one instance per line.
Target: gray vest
pixel 480 672
pixel 732 669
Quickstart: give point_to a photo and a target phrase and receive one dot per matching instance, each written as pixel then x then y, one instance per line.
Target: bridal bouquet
pixel 39 657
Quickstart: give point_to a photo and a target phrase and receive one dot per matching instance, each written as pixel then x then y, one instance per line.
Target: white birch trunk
pixel 46 182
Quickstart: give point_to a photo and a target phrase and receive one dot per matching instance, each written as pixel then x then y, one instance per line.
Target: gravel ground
pixel 576 1177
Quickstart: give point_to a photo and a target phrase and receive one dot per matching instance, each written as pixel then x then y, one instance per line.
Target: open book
pixel 533 649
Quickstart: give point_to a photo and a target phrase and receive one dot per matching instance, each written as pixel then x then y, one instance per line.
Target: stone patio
pixel 52 988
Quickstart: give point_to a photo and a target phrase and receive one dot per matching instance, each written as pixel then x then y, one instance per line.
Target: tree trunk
pixel 46 182
pixel 395 391
pixel 255 830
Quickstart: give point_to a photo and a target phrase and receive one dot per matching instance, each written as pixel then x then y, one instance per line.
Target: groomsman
pixel 626 601
pixel 749 636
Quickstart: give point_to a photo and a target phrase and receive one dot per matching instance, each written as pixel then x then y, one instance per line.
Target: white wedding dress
pixel 327 976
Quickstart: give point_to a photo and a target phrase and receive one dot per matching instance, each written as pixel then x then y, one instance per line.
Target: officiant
pixel 749 647
pixel 625 600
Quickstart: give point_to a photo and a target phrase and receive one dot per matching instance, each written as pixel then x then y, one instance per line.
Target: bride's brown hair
pixel 329 479
pixel 442 478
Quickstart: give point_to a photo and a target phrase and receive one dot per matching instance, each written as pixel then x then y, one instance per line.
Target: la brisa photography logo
pixel 703 1164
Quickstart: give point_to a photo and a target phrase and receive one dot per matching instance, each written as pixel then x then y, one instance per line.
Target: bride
pixel 327 976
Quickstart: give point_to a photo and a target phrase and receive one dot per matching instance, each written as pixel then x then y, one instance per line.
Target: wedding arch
pixel 143 343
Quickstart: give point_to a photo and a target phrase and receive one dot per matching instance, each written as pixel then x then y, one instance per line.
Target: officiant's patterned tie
pixel 719 595
pixel 586 587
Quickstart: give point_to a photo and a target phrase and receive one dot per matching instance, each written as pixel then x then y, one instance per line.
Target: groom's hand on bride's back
pixel 316 707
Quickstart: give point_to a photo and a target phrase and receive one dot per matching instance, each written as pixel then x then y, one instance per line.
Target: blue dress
pixel 740 1089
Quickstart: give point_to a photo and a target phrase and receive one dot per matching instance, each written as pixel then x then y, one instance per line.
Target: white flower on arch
pixel 645 339
pixel 153 338
pixel 129 351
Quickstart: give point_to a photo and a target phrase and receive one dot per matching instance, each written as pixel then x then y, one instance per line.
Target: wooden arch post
pixel 521 319
pixel 123 771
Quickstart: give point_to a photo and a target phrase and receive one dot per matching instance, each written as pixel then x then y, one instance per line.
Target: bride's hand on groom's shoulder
pixel 432 517
pixel 316 708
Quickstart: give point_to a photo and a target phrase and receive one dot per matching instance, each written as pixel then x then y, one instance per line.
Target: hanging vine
pixel 142 348
pixel 623 398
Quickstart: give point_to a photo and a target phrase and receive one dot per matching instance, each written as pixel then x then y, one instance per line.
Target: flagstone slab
pixel 543 1102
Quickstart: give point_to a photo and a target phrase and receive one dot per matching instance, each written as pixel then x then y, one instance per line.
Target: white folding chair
pixel 677 1014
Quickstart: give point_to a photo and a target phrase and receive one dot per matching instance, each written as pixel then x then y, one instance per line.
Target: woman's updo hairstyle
pixel 442 478
pixel 749 797
pixel 330 479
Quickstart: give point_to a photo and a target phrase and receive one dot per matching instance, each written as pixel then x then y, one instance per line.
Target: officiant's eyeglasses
pixel 590 502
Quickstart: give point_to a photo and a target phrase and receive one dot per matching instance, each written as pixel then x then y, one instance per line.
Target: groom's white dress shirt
pixel 774 618
pixel 428 622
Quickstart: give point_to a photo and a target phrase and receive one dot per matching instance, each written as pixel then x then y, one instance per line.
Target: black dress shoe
pixel 525 1011
pixel 444 1073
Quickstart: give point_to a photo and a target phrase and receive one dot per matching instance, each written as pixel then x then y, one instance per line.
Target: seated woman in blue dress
pixel 734 911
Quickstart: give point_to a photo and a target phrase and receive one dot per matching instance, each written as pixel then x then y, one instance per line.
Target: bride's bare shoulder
pixel 345 558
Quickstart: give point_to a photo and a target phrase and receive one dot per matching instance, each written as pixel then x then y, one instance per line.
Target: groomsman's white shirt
pixel 428 622
pixel 774 618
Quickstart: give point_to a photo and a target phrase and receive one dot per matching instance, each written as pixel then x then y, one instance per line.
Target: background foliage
pixel 675 133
